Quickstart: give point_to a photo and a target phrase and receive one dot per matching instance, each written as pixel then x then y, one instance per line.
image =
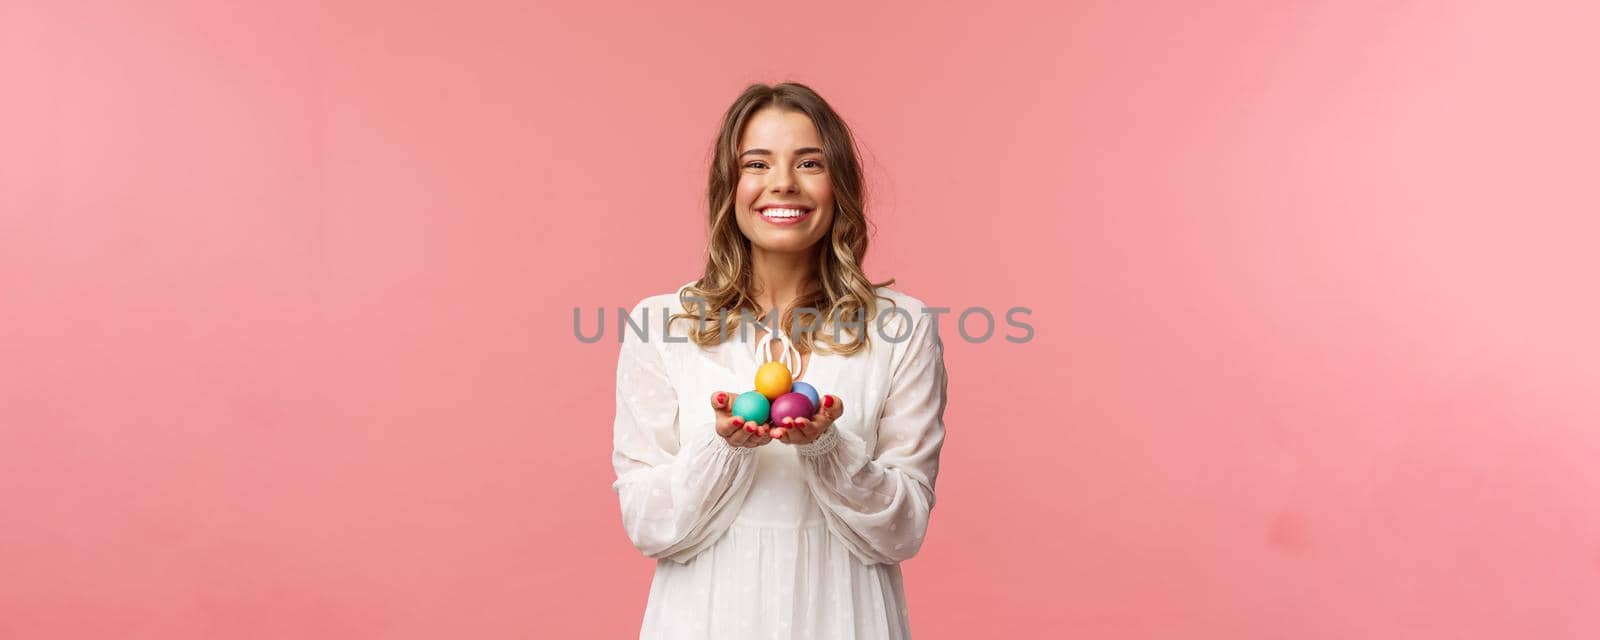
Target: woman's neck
pixel 779 278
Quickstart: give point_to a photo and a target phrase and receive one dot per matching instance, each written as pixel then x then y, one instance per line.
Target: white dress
pixel 779 541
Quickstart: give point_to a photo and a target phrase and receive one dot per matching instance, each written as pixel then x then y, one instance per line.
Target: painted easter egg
pixel 752 406
pixel 773 379
pixel 792 405
pixel 810 392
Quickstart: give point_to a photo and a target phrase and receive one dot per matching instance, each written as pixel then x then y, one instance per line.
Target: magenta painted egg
pixel 791 405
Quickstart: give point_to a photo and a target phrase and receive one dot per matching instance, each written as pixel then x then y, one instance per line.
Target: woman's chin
pixel 785 245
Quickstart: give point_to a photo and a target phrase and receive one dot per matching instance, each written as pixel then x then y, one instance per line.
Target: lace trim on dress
pixel 820 446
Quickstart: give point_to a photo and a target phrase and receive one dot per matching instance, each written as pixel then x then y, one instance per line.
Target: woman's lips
pixel 785 222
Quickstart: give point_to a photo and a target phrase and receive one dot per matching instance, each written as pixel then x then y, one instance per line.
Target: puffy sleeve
pixel 878 502
pixel 676 502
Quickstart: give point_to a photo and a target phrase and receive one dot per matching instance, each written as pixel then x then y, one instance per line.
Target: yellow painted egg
pixel 773 379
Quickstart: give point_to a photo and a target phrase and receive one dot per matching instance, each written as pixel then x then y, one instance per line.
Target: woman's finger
pixel 761 436
pixel 722 402
pixel 833 407
pixel 729 426
pixel 741 434
pixel 791 434
pixel 821 420
pixel 805 428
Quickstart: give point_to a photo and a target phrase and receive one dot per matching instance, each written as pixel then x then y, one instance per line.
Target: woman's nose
pixel 782 182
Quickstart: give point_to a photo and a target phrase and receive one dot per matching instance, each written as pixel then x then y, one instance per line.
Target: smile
pixel 784 217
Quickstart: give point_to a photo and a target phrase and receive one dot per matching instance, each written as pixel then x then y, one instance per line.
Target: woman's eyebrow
pixel 763 152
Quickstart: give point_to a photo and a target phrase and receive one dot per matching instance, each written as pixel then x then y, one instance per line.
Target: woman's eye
pixel 753 165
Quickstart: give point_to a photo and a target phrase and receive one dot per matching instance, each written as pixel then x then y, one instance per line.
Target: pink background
pixel 286 302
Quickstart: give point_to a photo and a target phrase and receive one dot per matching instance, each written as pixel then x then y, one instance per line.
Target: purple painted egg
pixel 791 405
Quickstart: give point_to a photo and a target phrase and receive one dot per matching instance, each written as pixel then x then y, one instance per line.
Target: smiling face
pixel 781 166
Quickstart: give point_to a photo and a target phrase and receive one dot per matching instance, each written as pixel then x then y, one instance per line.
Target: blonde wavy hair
pixel 842 291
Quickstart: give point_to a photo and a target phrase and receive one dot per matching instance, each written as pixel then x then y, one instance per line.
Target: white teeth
pixel 783 213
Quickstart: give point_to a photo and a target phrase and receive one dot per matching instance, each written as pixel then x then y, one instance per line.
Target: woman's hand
pixel 733 428
pixel 807 430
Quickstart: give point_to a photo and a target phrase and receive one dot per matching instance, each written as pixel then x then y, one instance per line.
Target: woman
pixel 791 529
